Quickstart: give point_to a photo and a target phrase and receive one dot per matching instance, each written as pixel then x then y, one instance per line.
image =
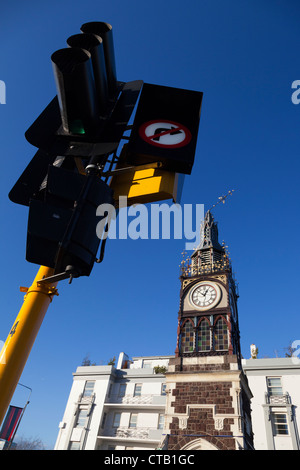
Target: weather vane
pixel 222 199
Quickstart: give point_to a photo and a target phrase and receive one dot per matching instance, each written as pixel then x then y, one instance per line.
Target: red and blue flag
pixel 10 423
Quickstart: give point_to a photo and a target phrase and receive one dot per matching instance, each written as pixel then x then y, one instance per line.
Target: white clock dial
pixel 205 295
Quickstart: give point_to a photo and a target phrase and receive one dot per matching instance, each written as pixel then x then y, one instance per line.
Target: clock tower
pixel 208 398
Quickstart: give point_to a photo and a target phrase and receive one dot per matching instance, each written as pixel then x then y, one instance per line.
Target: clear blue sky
pixel 243 55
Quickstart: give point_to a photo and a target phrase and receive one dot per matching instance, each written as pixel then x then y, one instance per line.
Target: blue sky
pixel 243 55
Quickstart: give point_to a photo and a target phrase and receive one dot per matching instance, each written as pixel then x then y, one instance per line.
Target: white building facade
pixel 123 407
pixel 275 385
pixel 116 408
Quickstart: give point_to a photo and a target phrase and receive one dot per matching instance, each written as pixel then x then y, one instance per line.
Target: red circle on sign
pixel 167 133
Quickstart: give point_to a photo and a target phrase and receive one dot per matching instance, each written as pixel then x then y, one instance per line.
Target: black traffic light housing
pixel 91 110
pixel 85 121
pixel 86 80
pixel 62 227
pixel 89 115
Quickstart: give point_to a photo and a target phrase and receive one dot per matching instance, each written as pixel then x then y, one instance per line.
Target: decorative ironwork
pixel 131 399
pixel 189 269
pixel 124 432
pixel 86 400
pixel 284 399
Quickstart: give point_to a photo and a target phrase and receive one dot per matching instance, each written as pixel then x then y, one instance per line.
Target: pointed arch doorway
pixel 199 444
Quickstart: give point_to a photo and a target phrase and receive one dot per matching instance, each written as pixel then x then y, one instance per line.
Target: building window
pixel 163 389
pixel 117 419
pixel 280 425
pixel 122 390
pixel 103 420
pixel 187 337
pixel 74 445
pixel 133 420
pixel 161 419
pixel 88 388
pixel 274 386
pixel 220 335
pixel 137 390
pixel 203 337
pixel 81 418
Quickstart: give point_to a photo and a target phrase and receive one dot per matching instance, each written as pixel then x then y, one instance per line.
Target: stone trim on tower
pixel 206 398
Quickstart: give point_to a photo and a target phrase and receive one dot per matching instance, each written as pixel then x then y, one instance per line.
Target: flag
pixel 10 423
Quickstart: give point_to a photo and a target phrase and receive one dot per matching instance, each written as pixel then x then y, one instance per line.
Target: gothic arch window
pixel 204 335
pixel 187 337
pixel 220 334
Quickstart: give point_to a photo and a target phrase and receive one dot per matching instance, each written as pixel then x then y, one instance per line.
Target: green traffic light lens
pixel 76 127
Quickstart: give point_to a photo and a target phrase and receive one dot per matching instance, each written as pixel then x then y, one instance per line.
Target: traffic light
pixel 85 75
pixel 89 115
pixel 62 227
pixel 87 88
pixel 74 135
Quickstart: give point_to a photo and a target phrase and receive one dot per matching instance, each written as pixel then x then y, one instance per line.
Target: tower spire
pixel 209 233
pixel 210 255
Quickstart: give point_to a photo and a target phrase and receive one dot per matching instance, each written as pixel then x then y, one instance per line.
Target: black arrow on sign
pixel 165 130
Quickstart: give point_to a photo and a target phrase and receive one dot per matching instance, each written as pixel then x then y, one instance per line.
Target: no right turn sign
pixel 165 128
pixel 165 134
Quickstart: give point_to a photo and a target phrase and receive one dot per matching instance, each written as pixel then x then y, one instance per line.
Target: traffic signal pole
pixel 19 342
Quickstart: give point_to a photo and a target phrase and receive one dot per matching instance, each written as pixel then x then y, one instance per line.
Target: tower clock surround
pixel 219 282
pixel 205 295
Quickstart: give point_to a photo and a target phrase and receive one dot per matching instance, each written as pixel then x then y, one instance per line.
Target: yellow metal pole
pixel 21 337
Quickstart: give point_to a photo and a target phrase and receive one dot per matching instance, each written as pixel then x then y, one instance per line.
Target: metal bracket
pixel 68 274
pixel 147 166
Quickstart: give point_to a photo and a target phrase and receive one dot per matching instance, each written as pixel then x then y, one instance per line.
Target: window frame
pixel 184 341
pixel 200 322
pixel 116 422
pixel 83 419
pixel 271 388
pixel 216 346
pixel 137 390
pixel 161 421
pixel 74 445
pixel 103 420
pixel 277 425
pixel 133 420
pixel 122 390
pixel 88 390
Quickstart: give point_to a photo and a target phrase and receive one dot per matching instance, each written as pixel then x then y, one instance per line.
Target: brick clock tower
pixel 208 398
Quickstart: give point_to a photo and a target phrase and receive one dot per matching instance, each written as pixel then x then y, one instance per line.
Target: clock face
pixel 205 295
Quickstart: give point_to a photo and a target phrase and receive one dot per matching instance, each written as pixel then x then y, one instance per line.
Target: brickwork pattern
pixel 201 422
